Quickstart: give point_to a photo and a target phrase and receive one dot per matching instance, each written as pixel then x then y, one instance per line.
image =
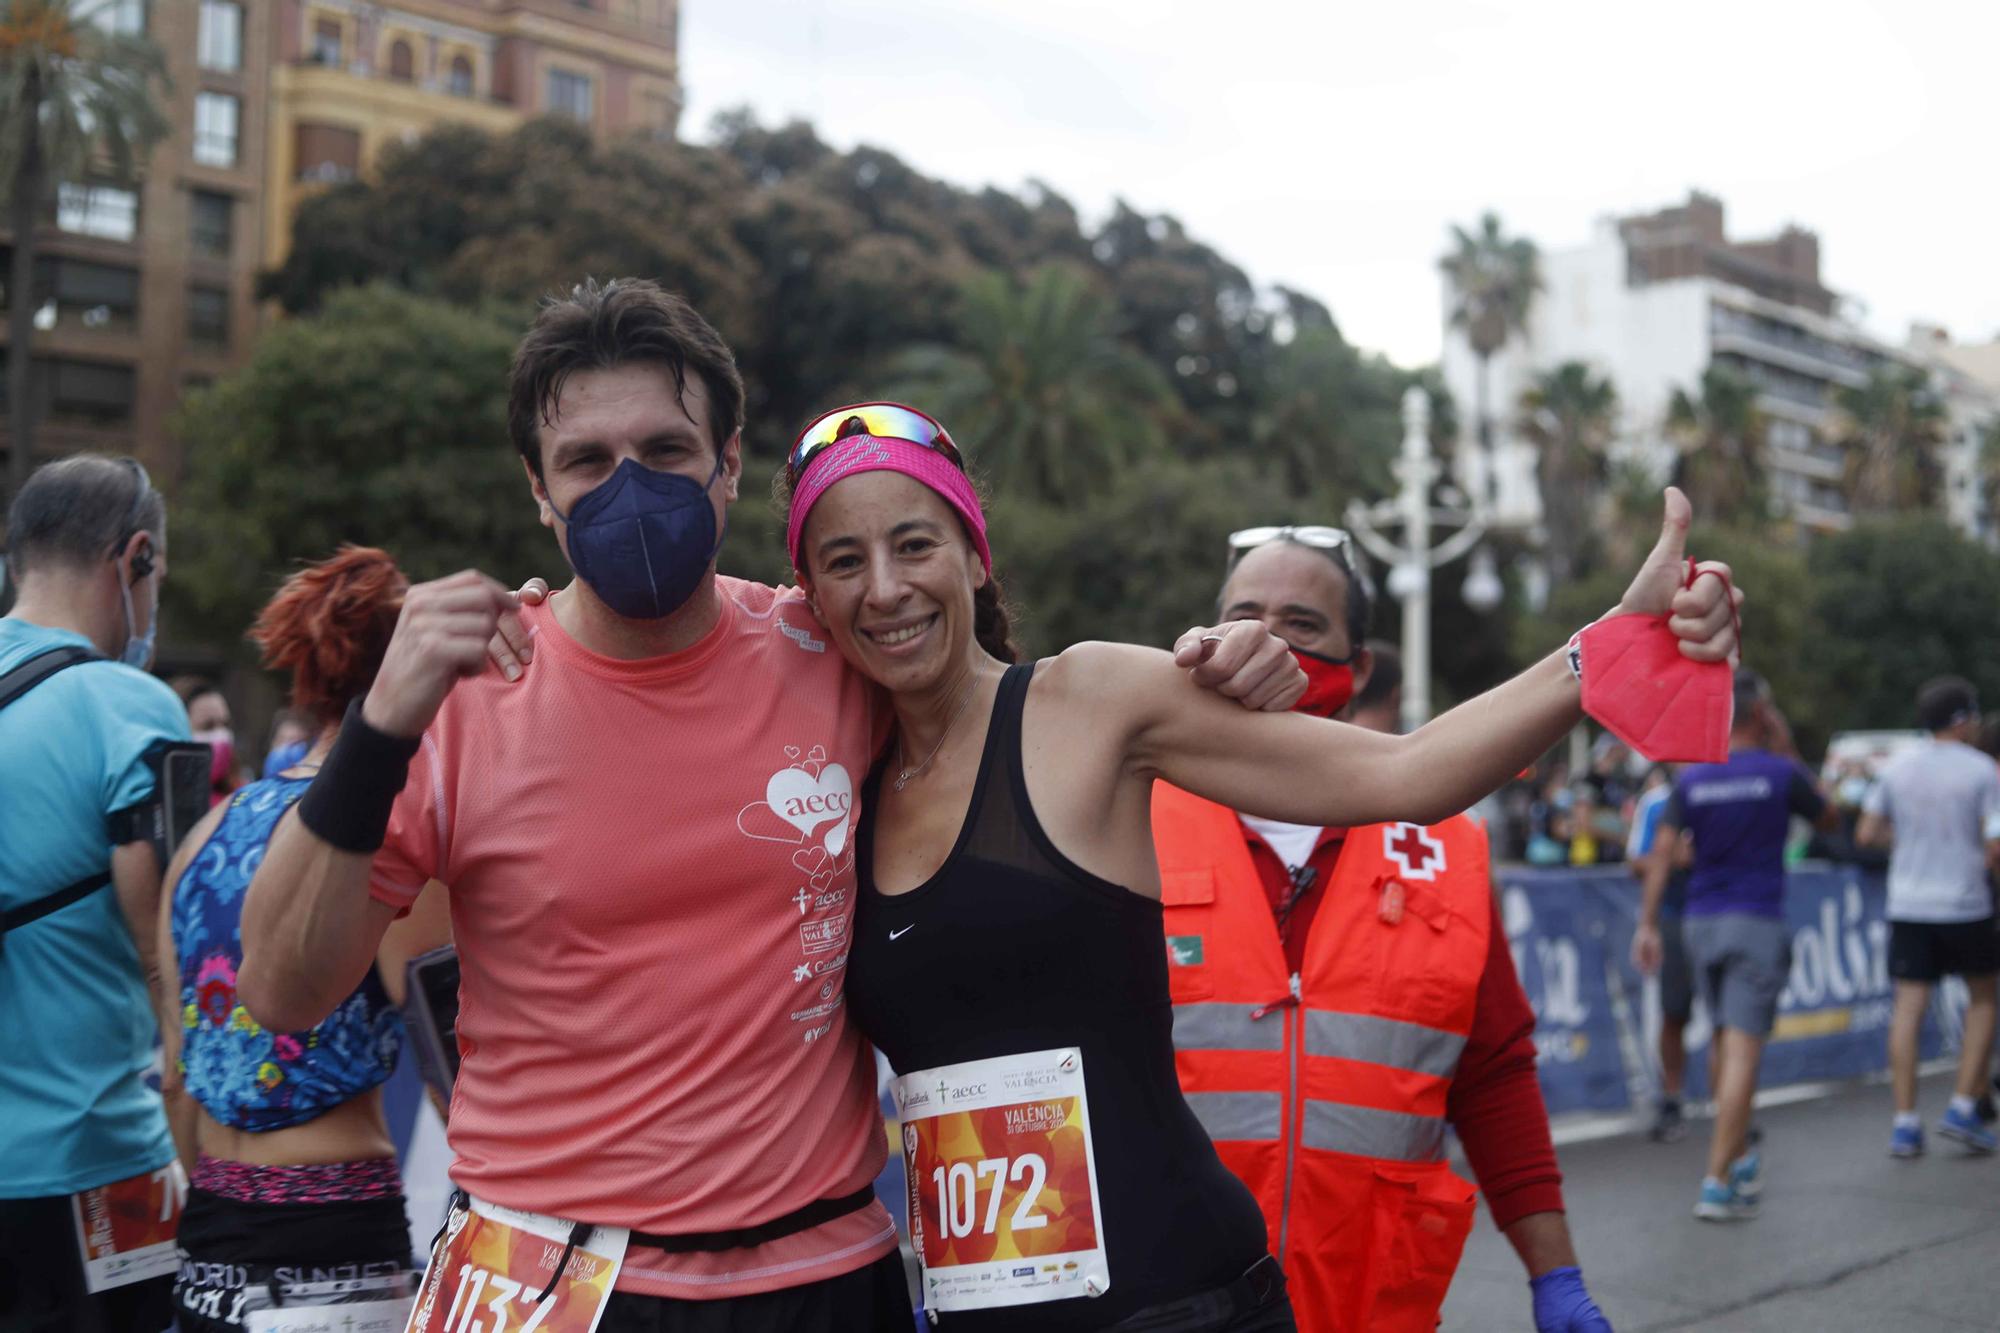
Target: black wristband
pixel 348 803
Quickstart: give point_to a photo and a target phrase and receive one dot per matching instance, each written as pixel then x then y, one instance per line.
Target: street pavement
pixel 1848 1238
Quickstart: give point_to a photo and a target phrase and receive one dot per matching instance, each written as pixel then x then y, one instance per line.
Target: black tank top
pixel 1013 948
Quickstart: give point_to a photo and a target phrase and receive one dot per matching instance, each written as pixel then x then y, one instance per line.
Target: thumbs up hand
pixel 1701 613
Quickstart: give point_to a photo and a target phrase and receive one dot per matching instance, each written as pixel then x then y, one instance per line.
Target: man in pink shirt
pixel 648 847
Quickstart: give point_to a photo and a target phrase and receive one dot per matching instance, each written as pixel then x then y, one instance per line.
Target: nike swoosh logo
pixel 898 934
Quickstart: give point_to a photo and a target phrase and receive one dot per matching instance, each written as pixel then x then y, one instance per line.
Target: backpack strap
pixel 14 684
pixel 39 668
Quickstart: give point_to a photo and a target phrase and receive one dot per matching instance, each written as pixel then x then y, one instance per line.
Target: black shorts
pixel 872 1299
pixel 238 1256
pixel 1928 950
pixel 41 1278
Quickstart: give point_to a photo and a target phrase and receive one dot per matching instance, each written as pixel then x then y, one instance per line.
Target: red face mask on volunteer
pixel 1329 683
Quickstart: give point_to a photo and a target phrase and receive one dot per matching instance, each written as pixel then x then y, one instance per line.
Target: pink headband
pixel 872 453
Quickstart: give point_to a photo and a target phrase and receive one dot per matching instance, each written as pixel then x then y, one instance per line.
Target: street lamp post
pixel 1410 564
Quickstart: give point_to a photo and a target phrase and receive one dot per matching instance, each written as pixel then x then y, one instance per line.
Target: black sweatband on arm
pixel 348 803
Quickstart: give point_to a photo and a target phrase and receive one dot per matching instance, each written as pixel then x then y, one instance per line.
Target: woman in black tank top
pixel 1008 956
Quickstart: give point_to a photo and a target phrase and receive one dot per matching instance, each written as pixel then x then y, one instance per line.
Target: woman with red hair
pixel 296 1198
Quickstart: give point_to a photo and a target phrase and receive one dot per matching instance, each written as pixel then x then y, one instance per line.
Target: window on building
pixel 215 121
pixel 569 94
pixel 325 152
pixel 402 63
pixel 209 219
pixel 208 315
pixel 87 392
pixel 87 295
pixel 219 40
pixel 326 42
pixel 459 80
pixel 98 210
pixel 126 17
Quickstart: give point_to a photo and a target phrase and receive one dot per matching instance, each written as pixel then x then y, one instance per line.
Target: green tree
pixel 1896 602
pixel 1139 563
pixel 1892 428
pixel 1328 419
pixel 379 420
pixel 1493 279
pixel 76 99
pixel 1570 414
pixel 1038 386
pixel 1719 434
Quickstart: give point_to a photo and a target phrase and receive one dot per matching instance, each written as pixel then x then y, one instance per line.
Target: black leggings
pixel 238 1256
pixel 41 1278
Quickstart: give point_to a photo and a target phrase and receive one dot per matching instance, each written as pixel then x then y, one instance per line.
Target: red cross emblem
pixel 1416 853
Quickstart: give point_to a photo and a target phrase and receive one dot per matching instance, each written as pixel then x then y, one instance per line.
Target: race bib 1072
pixel 1003 1183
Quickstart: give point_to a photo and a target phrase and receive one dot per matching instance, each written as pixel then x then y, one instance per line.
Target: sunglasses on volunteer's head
pixel 888 421
pixel 1336 542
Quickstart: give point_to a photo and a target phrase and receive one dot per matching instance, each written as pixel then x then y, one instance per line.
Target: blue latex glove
pixel 1563 1306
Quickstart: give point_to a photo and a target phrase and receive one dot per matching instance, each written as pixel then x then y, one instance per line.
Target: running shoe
pixel 1906 1141
pixel 1967 1130
pixel 1746 1175
pixel 1720 1203
pixel 1669 1126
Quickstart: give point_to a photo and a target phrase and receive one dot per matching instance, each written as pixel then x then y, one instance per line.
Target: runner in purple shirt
pixel 1737 814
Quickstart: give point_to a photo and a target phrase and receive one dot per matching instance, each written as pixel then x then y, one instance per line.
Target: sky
pixel 1329 146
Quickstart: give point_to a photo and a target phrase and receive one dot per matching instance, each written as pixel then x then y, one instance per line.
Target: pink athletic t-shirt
pixel 651 875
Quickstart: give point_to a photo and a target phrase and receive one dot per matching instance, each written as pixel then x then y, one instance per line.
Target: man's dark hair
pixel 623 322
pixel 80 510
pixel 1751 689
pixel 1385 679
pixel 1946 702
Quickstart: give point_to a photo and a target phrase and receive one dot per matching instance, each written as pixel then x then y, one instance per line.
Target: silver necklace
pixel 903 778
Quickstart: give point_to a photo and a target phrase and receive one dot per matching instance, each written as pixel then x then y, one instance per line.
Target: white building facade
pixel 1650 302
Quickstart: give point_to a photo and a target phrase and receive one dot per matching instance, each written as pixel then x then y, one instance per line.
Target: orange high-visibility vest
pixel 1325 1091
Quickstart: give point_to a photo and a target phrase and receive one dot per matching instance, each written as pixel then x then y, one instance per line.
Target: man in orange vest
pixel 1342 995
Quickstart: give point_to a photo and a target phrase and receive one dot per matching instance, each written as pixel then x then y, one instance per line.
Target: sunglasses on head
pixel 888 421
pixel 1336 542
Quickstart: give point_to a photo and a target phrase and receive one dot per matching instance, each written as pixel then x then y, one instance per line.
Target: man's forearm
pixel 1653 893
pixel 1542 1240
pixel 135 878
pixel 1473 750
pixel 310 929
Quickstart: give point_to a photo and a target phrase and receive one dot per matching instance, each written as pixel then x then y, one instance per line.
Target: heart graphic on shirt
pixel 791 752
pixel 817 866
pixel 807 802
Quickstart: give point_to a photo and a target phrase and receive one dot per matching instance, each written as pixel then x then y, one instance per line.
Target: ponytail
pixel 992 621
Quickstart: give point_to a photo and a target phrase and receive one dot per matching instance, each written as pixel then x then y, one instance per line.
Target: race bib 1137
pixel 492 1265
pixel 1003 1183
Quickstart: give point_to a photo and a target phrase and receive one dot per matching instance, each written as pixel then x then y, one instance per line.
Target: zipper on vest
pixel 1294 1039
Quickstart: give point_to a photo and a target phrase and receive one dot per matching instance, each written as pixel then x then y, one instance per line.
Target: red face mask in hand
pixel 1667 707
pixel 1329 683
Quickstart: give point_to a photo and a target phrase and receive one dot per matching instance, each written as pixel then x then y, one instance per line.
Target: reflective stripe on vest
pixel 1363 1131
pixel 1379 1041
pixel 1226 1027
pixel 1237 1115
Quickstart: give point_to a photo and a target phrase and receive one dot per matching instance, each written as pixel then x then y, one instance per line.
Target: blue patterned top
pixel 244 1076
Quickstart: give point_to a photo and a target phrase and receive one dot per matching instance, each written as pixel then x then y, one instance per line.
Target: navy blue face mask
pixel 643 539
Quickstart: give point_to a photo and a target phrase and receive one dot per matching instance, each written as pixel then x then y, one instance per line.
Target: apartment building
pixel 144 290
pixel 1651 301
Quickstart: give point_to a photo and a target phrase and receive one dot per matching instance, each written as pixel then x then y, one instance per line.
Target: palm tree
pixel 1892 427
pixel 1493 281
pixel 1045 396
pixel 1569 414
pixel 74 96
pixel 1719 433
